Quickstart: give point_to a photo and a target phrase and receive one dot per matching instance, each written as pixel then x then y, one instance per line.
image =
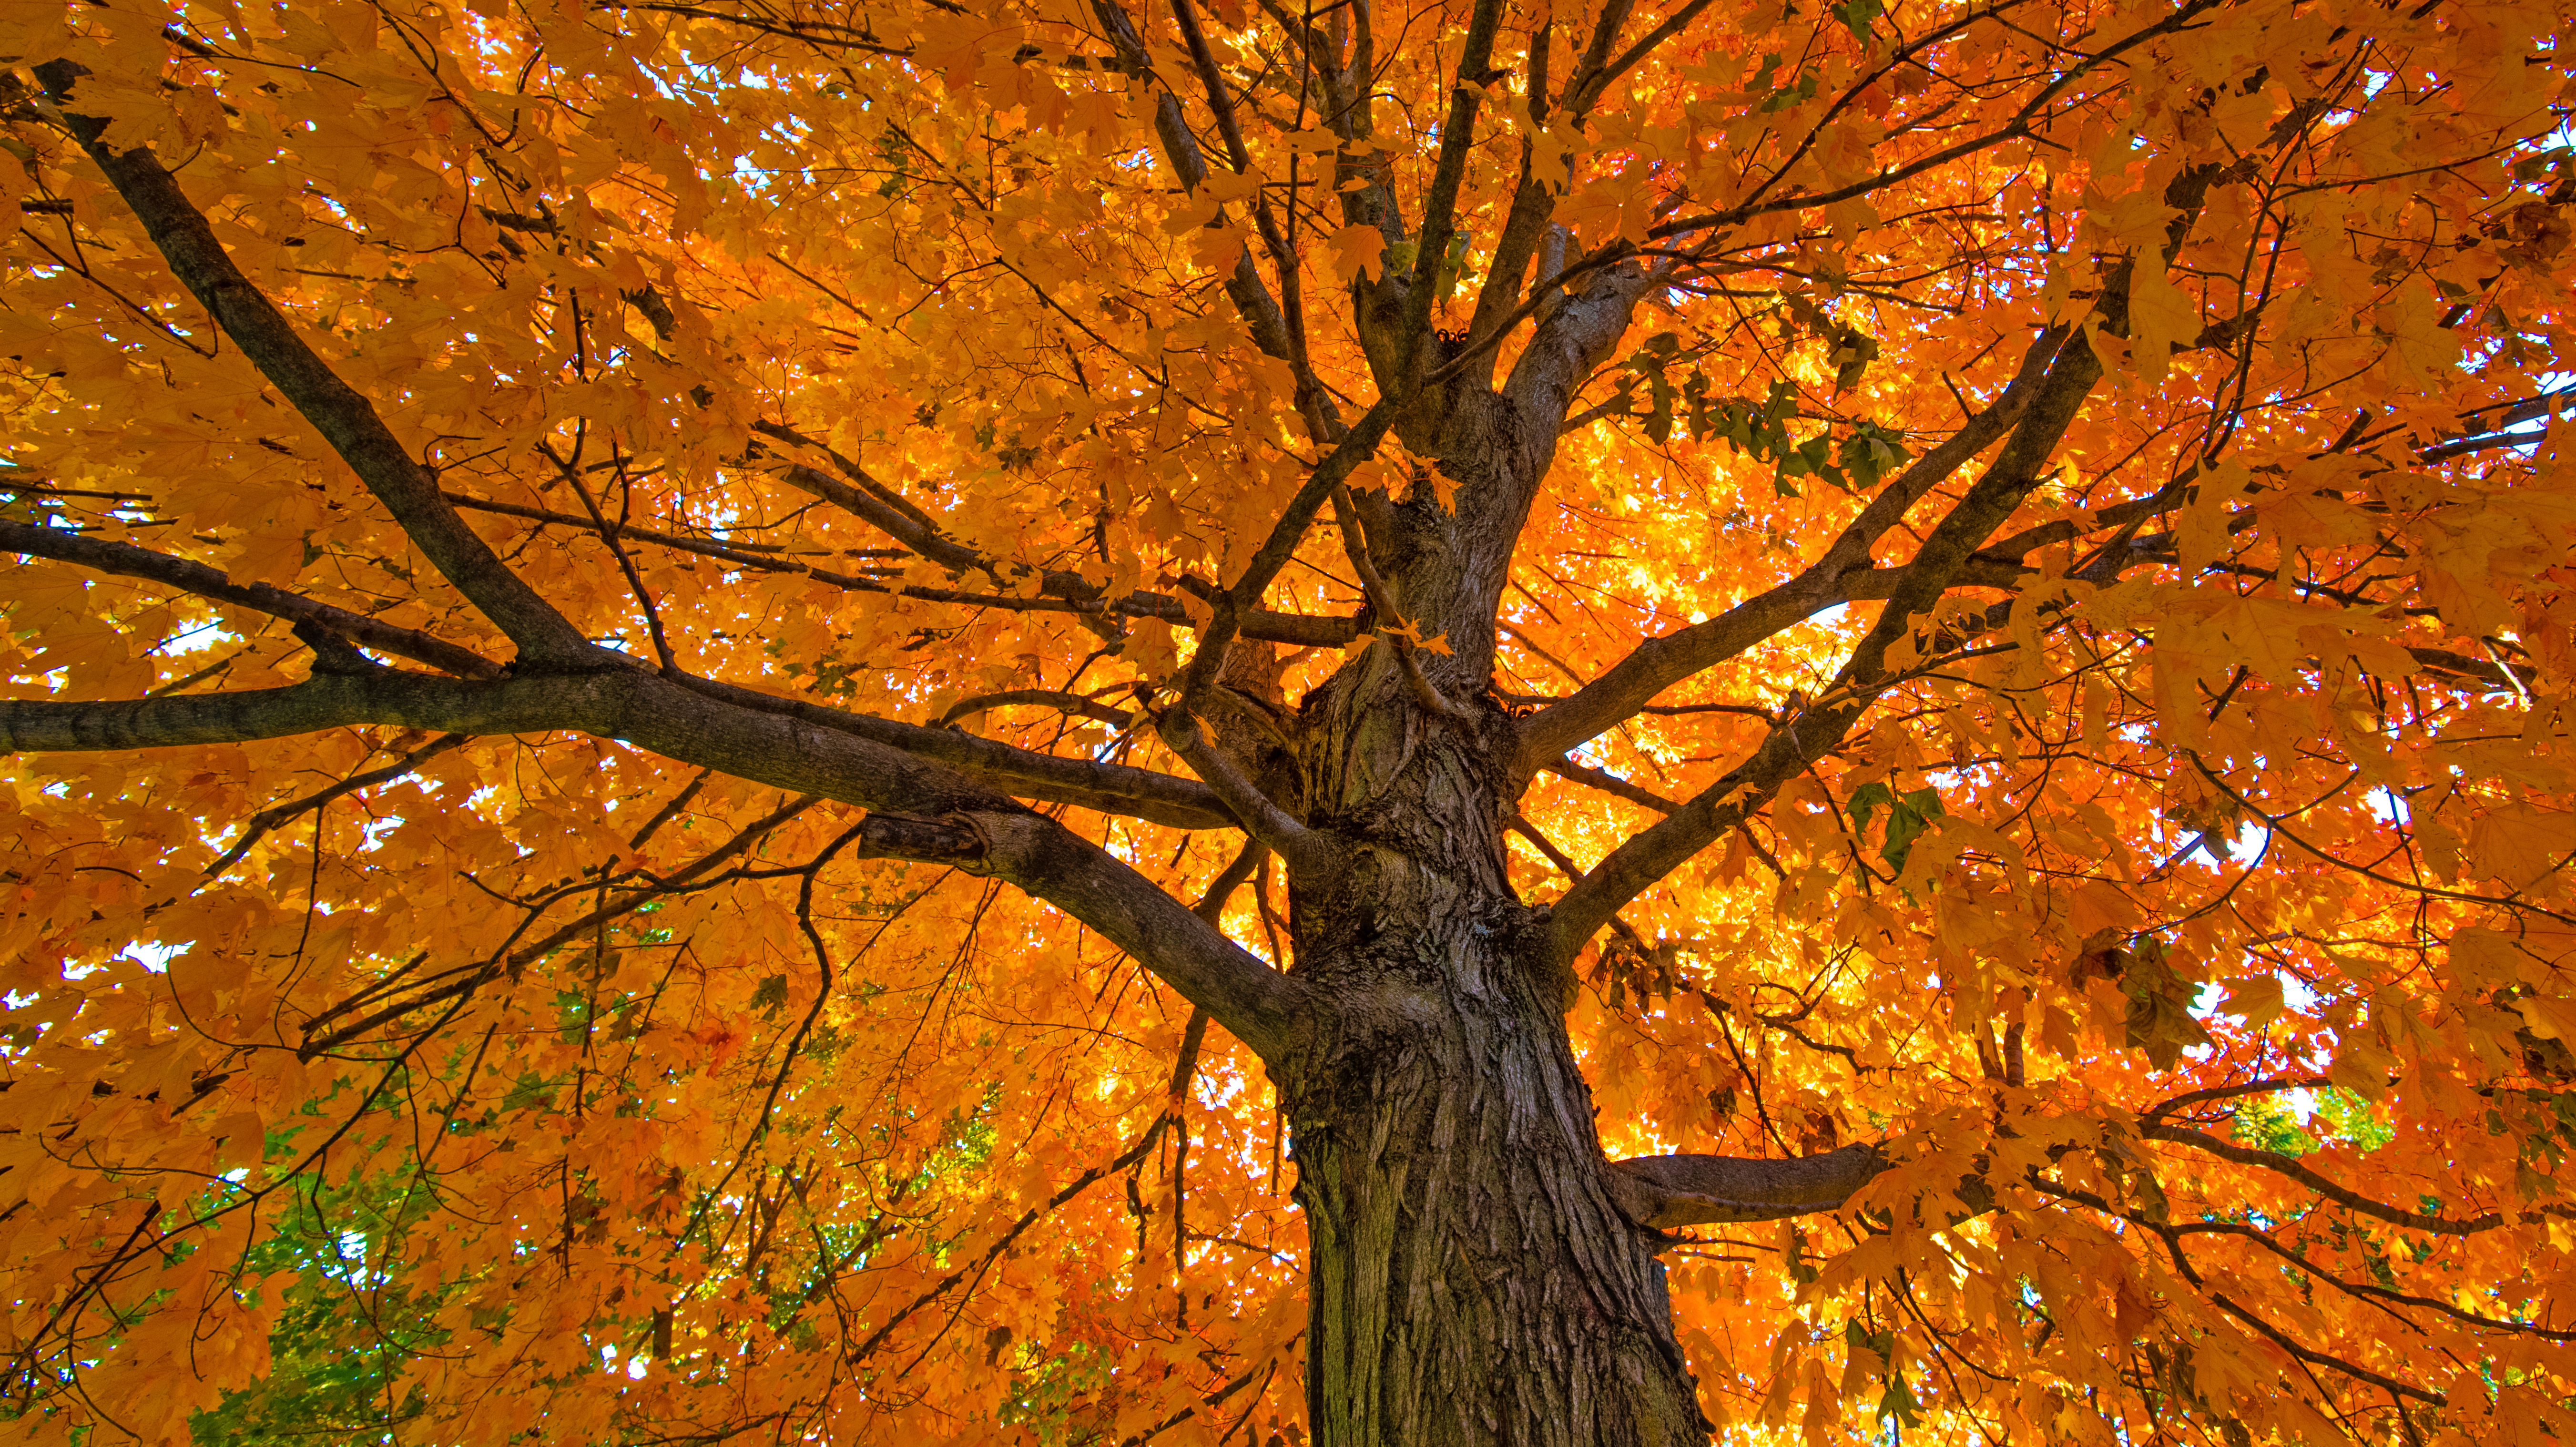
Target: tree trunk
pixel 1472 1280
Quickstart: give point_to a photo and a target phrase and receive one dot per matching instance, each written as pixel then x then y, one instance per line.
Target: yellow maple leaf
pixel 1356 251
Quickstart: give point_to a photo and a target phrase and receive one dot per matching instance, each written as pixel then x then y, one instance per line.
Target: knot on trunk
pixel 951 839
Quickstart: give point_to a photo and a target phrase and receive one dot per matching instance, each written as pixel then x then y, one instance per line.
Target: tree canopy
pixel 748 719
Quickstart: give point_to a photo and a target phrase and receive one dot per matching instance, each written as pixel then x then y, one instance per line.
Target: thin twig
pixel 268 819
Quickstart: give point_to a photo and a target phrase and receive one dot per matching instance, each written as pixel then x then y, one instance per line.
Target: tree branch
pixel 1809 734
pixel 2021 124
pixel 1211 907
pixel 876 503
pixel 125 560
pixel 1586 87
pixel 461 980
pixel 1085 783
pixel 901 524
pixel 2387 1384
pixel 267 819
pixel 1666 1192
pixel 1304 851
pixel 1576 334
pixel 1064 592
pixel 1252 300
pixel 1054 698
pixel 1440 200
pixel 1010 841
pixel 2291 1167
pixel 345 418
pixel 1313 397
pixel 1659 663
pixel 1231 604
pixel 1110 788
pixel 1610 783
pixel 1533 209
pixel 1589 66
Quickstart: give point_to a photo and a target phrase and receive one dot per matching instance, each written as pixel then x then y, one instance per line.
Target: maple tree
pixel 1334 722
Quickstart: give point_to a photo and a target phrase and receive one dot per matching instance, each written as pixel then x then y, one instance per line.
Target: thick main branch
pixel 345 418
pixel 1012 842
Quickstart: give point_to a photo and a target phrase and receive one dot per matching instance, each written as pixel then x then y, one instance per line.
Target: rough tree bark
pixel 1473 1277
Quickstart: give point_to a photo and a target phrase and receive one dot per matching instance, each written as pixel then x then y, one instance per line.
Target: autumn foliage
pixel 2026 636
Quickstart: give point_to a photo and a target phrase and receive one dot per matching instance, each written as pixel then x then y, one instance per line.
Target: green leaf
pixel 1900 1403
pixel 1870 452
pixel 1866 800
pixel 1856 1339
pixel 1801 89
pixel 1912 813
pixel 529 1092
pixel 1801 1270
pixel 1659 415
pixel 351 1316
pixel 1453 262
pixel 1908 815
pixel 1857 15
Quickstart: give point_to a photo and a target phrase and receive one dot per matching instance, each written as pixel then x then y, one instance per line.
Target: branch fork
pixel 1305 850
